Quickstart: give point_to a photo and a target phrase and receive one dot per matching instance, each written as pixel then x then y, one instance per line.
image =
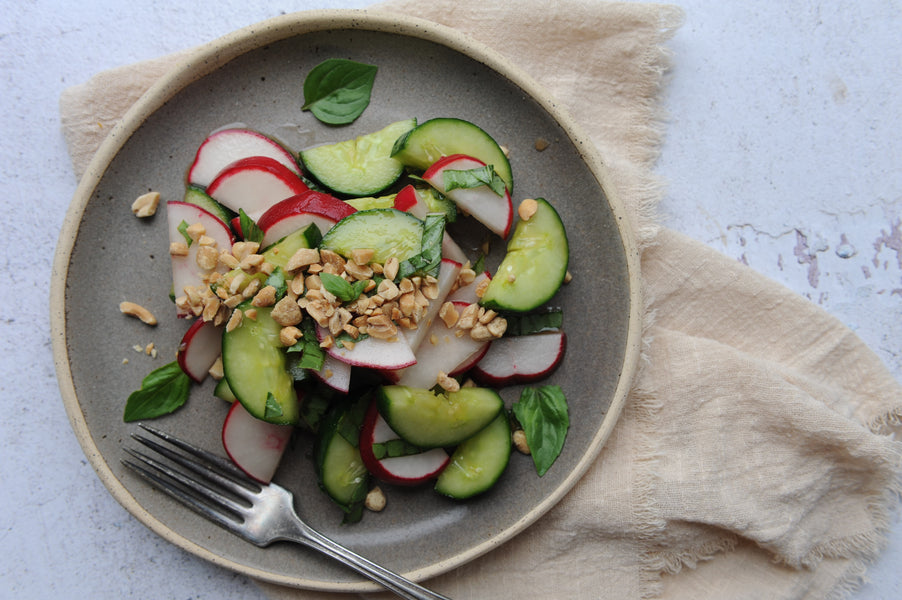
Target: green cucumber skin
pixel 444 136
pixel 359 167
pixel 340 470
pixel 535 265
pixel 198 197
pixel 223 391
pixel 254 364
pixel 478 462
pixel 280 253
pixel 429 420
pixel 388 231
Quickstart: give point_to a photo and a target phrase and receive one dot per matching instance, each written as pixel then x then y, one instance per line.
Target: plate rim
pixel 204 60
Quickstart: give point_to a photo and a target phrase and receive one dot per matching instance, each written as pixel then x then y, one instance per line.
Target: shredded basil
pixel 394 449
pixel 527 324
pixel 277 280
pixel 183 229
pixel 272 409
pixel 341 288
pixel 429 260
pixel 337 91
pixel 249 230
pixel 163 391
pixel 542 412
pixel 473 178
pixel 312 356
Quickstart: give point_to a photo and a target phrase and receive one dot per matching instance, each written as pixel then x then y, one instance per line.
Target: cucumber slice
pixel 478 462
pixel 281 252
pixel 431 420
pixel 535 265
pixel 436 202
pixel 371 202
pixel 196 196
pixel 341 472
pixel 430 141
pixel 253 361
pixel 389 232
pixel 359 167
pixel 223 391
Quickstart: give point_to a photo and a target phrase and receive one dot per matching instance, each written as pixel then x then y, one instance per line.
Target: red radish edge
pixel 368 352
pixel 206 165
pixel 431 173
pixel 417 468
pixel 406 199
pixel 255 446
pixel 254 184
pixel 521 359
pixel 200 347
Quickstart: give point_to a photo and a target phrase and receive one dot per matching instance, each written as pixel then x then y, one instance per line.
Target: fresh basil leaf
pixel 337 91
pixel 277 280
pixel 312 356
pixel 542 412
pixel 341 288
pixel 249 230
pixel 294 366
pixel 479 265
pixel 272 409
pixel 530 323
pixel 344 336
pixel 183 229
pixel 314 407
pixel 352 420
pixel 473 178
pixel 429 260
pixel 162 391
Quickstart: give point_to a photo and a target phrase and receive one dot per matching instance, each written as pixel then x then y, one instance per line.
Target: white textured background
pixel 783 152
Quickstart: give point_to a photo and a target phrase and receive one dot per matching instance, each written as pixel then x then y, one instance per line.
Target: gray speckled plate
pixel 255 77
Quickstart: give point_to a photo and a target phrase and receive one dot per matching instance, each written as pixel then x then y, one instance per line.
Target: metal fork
pixel 261 514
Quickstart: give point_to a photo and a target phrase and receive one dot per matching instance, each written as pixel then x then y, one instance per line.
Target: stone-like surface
pixel 783 152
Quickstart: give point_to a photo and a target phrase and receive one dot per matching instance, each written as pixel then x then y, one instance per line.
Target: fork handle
pixel 401 586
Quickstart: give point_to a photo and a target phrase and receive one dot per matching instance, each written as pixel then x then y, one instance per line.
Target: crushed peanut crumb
pixel 146 205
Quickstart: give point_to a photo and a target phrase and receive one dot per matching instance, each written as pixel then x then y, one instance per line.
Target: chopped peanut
pixel 447 383
pixel 375 500
pixel 139 312
pixel 289 336
pixel 520 443
pixel 146 204
pixel 178 249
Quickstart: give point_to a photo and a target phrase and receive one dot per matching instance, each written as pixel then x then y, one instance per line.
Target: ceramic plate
pixel 255 77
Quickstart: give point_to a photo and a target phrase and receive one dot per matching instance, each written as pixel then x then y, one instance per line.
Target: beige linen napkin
pixel 754 458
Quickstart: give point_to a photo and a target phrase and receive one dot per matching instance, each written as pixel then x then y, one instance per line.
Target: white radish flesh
pixel 521 359
pixel 200 347
pixel 226 146
pixel 255 446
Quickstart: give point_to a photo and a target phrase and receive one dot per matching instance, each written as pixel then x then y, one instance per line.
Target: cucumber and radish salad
pixel 327 297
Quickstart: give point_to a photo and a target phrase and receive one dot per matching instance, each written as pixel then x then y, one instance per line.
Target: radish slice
pixel 408 470
pixel 185 270
pixel 255 446
pixel 467 293
pixel 298 211
pixel 447 276
pixel 255 184
pixel 441 351
pixel 410 201
pixel 224 147
pixel 373 353
pixel 494 211
pixel 521 359
pixel 335 373
pixel 200 347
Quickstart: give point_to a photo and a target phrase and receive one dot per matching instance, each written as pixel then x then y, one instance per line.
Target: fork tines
pixel 203 481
